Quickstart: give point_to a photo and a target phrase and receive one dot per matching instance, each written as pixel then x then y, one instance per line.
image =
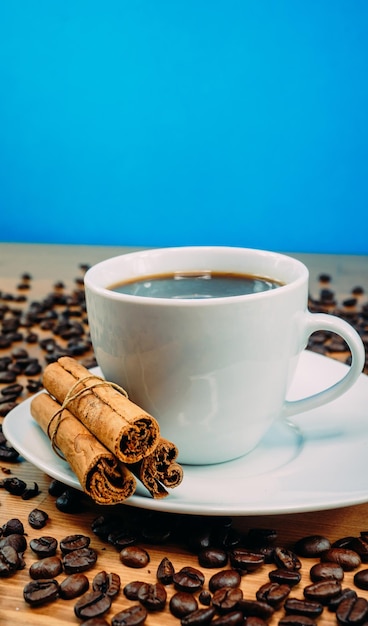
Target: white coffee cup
pixel 214 372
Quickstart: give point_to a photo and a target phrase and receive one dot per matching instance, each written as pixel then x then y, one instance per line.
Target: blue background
pixel 241 122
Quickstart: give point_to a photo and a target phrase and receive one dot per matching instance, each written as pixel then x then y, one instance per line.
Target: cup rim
pixel 92 285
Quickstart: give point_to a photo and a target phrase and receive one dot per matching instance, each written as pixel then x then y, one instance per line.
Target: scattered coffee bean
pixel 205 597
pixel 312 546
pixel 256 608
pixel 74 542
pixel 44 546
pixel 10 561
pixel 108 583
pixel 296 620
pixel 234 618
pixel 165 571
pixel 245 560
pixel 152 596
pixel 37 519
pixel 212 557
pixel 227 599
pixel 13 526
pixel 182 603
pixel 48 567
pixel 14 485
pixel 92 604
pixel 307 608
pixel 286 559
pixel 349 560
pixel 132 616
pixel 326 570
pixel 30 492
pixel 79 560
pixel 131 589
pixel 361 579
pixel 322 591
pixel 224 578
pixel 352 611
pixel 284 576
pixel 273 593
pixel 188 579
pixel 40 592
pixel 134 556
pixel 199 617
pixel 73 586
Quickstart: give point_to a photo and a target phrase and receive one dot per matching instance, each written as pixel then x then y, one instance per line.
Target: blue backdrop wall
pixel 237 122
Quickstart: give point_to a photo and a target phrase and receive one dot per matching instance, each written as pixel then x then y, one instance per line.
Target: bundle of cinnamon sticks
pixel 108 441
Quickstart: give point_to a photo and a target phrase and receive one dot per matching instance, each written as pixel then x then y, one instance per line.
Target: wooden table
pixel 47 265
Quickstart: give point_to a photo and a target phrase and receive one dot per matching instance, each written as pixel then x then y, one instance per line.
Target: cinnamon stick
pixel 123 427
pixel 159 469
pixel 100 474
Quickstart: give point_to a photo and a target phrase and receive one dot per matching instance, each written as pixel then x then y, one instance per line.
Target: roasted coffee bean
pixel 188 579
pixel 30 492
pixel 308 608
pixel 182 603
pixel 296 620
pixel 349 560
pixel 134 556
pixel 48 567
pixel 108 583
pixel 56 488
pixel 13 526
pixel 7 376
pixel 286 559
pixel 18 542
pixel 234 618
pixel 199 617
pixel 326 570
pixel 284 576
pixel 12 390
pixel 322 591
pixel 131 589
pixel 261 536
pixel 165 571
pixel 212 557
pixel 361 579
pixel 5 407
pixel 120 538
pixel 245 560
pixel 73 586
pixel 39 592
pixel 256 608
pixel 44 546
pixel 359 545
pixel 132 616
pixel 74 542
pixel 37 519
pixel 69 501
pixel 79 560
pixel 345 593
pixel 10 561
pixel 14 485
pixel 312 546
pixel 92 604
pixel 205 597
pixel 273 593
pixel 152 596
pixel 352 611
pixel 227 598
pixel 224 578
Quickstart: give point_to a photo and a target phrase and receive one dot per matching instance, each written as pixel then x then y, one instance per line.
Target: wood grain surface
pixel 48 265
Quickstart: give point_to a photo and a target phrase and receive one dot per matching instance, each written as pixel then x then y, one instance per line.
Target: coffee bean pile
pixel 353 309
pixel 213 591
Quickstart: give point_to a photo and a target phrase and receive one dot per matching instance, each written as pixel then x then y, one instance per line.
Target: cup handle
pixel 312 322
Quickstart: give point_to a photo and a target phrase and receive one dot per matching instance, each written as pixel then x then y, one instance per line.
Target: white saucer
pixel 318 462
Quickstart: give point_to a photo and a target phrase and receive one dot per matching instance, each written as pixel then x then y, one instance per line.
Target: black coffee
pixel 196 285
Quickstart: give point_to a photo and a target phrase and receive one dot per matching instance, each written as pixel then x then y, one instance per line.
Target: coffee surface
pixel 196 285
